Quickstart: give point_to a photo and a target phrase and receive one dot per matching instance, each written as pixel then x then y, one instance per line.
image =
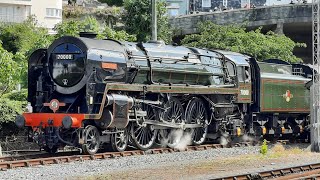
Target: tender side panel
pixel 284 95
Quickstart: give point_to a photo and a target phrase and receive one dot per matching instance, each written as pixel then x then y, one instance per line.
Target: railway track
pixel 309 171
pixel 11 162
pixel 39 158
pixel 35 155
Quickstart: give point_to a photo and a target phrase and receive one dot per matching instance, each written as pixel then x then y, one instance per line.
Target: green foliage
pixel 17 95
pixel 137 20
pixel 11 105
pixel 264 147
pixel 23 37
pixel 90 24
pixel 118 35
pixel 110 16
pixel 68 28
pixel 112 2
pixel 9 109
pixel 8 69
pixel 74 27
pixel 19 41
pixel 235 38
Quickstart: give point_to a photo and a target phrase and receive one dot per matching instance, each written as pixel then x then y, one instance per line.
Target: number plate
pixel 64 56
pixel 244 92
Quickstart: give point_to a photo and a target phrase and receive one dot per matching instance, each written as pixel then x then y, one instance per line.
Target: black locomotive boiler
pixel 86 92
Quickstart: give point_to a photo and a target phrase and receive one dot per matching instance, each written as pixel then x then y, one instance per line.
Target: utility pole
pixel 154 20
pixel 315 89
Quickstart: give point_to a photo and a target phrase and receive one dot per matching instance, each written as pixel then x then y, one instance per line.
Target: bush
pixel 264 147
pixel 9 109
pixel 17 95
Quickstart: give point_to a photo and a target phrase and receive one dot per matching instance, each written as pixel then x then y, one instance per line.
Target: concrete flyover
pixel 294 20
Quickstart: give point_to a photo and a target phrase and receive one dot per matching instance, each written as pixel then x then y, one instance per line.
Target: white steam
pixel 247 138
pixel 224 140
pixel 177 139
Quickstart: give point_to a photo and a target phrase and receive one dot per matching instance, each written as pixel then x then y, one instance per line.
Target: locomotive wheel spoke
pixel 175 114
pixel 196 113
pixel 143 136
pixel 119 141
pixel 92 140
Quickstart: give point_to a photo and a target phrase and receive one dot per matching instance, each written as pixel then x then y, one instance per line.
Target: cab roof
pixel 237 58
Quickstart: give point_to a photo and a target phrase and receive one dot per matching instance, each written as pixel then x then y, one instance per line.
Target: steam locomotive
pixel 84 92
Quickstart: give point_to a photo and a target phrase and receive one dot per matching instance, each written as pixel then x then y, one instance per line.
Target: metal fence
pixel 315 90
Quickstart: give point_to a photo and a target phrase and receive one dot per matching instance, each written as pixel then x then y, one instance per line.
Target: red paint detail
pixel 37 119
pixel 54 105
pixel 288 94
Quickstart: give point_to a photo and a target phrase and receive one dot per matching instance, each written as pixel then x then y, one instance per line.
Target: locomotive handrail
pixel 141 58
pixel 163 58
pixel 224 85
pixel 204 54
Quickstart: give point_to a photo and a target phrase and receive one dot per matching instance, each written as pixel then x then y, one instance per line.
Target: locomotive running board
pixel 166 125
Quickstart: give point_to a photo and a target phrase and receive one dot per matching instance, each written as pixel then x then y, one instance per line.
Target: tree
pixel 8 71
pixel 110 15
pixel 21 39
pixel 24 37
pixel 68 28
pixel 237 39
pixel 137 19
pixel 90 24
pixel 74 27
pixel 118 35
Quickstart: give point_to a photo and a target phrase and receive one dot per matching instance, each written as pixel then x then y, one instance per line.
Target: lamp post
pixel 154 20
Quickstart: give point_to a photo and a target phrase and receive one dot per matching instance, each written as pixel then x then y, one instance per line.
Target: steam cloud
pixel 179 139
pixel 224 139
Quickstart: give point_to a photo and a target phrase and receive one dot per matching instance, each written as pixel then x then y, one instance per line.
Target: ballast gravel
pixel 94 168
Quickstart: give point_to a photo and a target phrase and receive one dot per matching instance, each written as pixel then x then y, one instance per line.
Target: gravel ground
pixel 193 164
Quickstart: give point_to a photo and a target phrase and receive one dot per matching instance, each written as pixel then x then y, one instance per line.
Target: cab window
pixel 231 68
pixel 243 73
pixel 240 73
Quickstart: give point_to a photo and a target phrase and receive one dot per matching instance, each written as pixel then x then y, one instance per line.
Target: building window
pixel 173 9
pixel 206 3
pixel 52 12
pixel 173 12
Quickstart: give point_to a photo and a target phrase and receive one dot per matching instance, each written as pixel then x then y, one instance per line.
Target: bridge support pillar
pixel 279 28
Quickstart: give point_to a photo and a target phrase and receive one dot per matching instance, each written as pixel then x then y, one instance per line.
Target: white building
pixel 48 12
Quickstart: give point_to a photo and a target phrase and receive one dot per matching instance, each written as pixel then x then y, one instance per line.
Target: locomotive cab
pixel 241 72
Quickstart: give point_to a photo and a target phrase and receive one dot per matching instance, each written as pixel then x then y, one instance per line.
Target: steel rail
pixel 13 163
pixel 303 171
pixel 35 155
